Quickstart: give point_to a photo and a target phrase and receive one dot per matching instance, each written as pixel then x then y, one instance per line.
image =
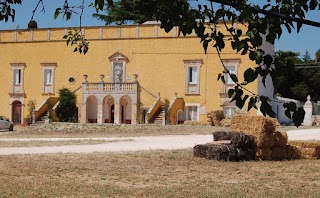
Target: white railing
pixel 109 87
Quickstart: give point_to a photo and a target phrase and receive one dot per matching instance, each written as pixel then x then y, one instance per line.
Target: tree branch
pixel 268 13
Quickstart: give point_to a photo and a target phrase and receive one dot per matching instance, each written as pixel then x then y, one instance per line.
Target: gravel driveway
pixel 168 142
pixel 140 143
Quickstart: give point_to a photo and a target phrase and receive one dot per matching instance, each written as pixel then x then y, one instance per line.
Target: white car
pixel 5 123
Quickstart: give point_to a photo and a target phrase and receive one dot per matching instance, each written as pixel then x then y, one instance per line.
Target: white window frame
pixel 44 67
pixel 197 105
pixel 230 63
pixel 17 87
pixel 118 57
pixel 123 70
pixel 194 84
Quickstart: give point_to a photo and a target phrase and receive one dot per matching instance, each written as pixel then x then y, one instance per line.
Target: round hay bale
pixel 200 150
pixel 244 141
pixel 264 153
pixel 278 153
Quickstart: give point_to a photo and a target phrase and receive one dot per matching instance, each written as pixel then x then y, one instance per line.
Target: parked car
pixel 5 123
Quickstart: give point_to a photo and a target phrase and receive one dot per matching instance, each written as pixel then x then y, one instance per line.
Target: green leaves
pixel 265 107
pixel 76 38
pixel 294 113
pixel 250 75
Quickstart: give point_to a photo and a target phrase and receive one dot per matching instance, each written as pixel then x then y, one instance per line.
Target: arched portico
pixel 92 109
pixel 125 110
pixel 108 109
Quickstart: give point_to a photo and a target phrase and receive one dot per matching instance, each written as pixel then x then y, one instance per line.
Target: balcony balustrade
pixel 110 88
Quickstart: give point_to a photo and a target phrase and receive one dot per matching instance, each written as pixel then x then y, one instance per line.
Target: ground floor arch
pixel 16 112
pixel 92 109
pixel 181 116
pixel 108 109
pixel 125 110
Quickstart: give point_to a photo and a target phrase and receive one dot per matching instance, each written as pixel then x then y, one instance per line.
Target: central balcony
pixel 110 88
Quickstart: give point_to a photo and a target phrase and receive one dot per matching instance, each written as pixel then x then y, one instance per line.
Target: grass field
pixel 154 174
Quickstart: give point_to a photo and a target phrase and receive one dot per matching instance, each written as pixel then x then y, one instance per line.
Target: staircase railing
pixel 43 108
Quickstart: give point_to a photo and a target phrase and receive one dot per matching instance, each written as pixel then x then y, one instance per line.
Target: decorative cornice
pixel 195 61
pixel 118 56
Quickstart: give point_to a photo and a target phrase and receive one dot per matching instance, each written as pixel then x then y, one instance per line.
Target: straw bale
pixel 200 150
pixel 223 135
pixel 229 153
pixel 252 124
pixel 243 141
pixel 265 140
pixel 292 152
pixel 280 139
pixel 305 144
pixel 309 153
pixel 279 153
pixel 225 122
pixel 218 152
pixel 264 153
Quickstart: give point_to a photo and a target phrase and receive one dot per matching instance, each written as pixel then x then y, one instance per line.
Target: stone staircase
pixel 160 117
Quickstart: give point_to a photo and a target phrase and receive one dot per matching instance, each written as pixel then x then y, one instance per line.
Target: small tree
pixel 67 108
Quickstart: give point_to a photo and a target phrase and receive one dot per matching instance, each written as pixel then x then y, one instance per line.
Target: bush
pixel 66 110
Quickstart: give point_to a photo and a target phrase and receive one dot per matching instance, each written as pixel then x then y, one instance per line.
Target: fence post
pixel 308 112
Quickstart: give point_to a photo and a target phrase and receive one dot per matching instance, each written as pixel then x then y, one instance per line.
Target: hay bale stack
pixel 292 152
pixel 225 122
pixel 307 149
pixel 279 153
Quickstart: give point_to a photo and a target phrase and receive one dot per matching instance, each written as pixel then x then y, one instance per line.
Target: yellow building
pixel 126 77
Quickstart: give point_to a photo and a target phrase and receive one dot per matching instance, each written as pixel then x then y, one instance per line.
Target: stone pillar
pixel 134 113
pixel 117 113
pixel 83 113
pixel 100 114
pixel 308 112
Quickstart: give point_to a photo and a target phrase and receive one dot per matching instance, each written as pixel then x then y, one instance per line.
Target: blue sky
pixel 307 39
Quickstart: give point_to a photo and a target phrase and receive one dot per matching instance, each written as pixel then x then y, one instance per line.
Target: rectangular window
pixel 192 112
pixel 192 76
pixel 17 76
pixel 48 76
pixel 117 72
pixel 232 70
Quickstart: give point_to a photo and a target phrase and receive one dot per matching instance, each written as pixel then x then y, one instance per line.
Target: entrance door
pixel 112 114
pixel 122 114
pixel 16 112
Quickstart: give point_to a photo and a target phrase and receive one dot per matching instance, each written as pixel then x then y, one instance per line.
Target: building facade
pixel 128 76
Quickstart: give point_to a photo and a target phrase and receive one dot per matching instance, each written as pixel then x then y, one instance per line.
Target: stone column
pixel 100 114
pixel 83 113
pixel 308 112
pixel 134 113
pixel 117 113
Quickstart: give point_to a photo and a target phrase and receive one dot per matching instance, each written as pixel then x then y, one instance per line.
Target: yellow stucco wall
pixel 159 62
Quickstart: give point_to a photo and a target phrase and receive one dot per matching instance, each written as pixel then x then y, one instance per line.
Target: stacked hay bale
pixel 261 127
pixel 238 147
pixel 305 149
pixel 215 117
